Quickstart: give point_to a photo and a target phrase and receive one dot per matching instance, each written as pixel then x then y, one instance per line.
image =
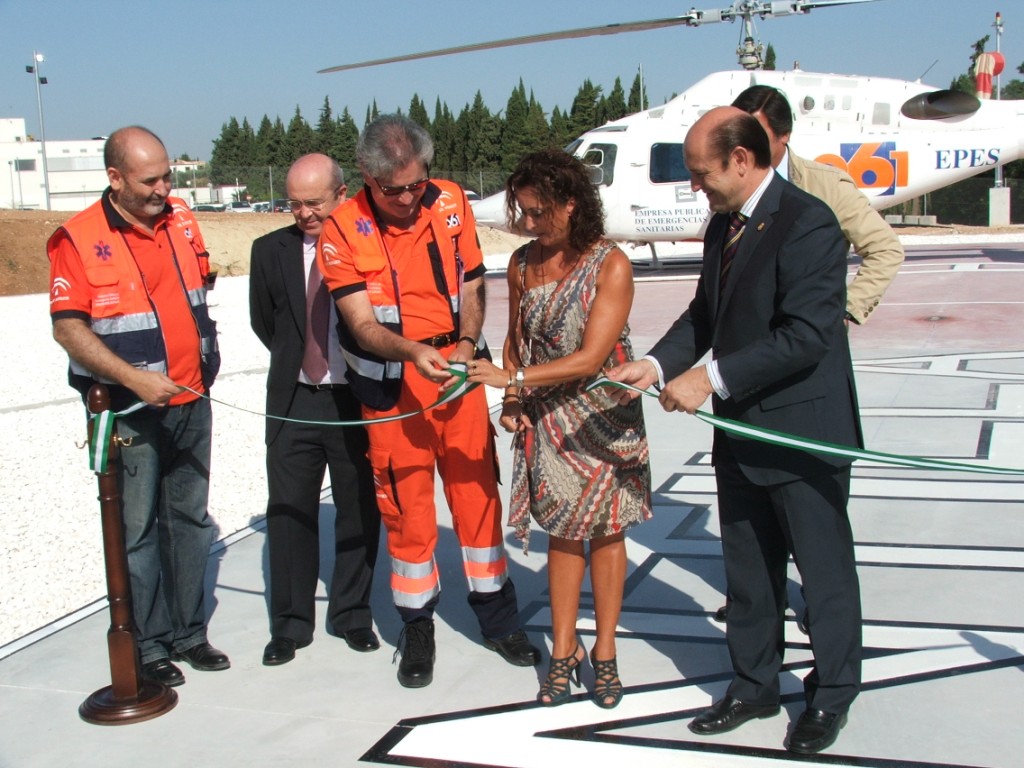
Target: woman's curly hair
pixel 558 177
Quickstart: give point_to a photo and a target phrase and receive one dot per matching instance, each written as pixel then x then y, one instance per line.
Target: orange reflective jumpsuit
pixel 413 279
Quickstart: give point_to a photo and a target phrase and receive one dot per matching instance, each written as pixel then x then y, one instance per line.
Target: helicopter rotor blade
pixel 606 29
pixel 741 9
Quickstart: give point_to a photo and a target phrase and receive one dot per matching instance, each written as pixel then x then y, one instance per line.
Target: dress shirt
pixel 335 360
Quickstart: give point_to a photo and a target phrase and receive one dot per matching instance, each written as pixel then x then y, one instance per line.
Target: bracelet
pixel 471 340
pixel 520 377
pixel 511 382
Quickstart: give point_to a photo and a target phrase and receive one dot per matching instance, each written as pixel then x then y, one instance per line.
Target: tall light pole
pixel 999 39
pixel 33 69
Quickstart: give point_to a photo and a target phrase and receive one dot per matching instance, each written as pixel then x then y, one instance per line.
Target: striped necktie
pixel 732 244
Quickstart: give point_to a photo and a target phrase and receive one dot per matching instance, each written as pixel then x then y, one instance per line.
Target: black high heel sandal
pixel 561 672
pixel 607 686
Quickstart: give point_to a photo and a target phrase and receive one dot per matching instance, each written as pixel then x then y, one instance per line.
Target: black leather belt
pixel 322 387
pixel 441 340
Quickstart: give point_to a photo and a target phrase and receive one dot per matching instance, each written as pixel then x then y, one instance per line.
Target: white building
pixel 75 169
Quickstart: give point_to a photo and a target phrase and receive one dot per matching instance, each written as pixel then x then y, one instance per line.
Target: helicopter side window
pixel 880 115
pixel 601 159
pixel 667 164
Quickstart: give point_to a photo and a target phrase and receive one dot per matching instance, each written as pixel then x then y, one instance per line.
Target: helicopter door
pixel 668 204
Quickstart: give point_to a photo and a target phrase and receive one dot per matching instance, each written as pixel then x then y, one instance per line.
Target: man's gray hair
pixel 390 143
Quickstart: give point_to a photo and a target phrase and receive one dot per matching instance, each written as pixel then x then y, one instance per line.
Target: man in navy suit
pixel 769 307
pixel 292 314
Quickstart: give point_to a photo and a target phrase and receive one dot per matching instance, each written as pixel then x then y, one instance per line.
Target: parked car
pixel 209 207
pixel 261 207
pixel 239 206
pixel 280 205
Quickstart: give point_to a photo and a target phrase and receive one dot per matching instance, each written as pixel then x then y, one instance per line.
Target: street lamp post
pixel 33 69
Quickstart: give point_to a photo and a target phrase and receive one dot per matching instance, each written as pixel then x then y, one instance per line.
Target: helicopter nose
pixel 490 212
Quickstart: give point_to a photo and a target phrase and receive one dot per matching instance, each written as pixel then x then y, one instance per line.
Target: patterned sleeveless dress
pixel 582 472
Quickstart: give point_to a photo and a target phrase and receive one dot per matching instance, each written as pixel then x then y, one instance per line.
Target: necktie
pixel 732 244
pixel 318 305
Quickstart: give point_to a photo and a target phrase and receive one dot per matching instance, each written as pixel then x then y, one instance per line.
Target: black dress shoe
pixel 722 614
pixel 162 671
pixel 280 650
pixel 814 731
pixel 361 639
pixel 203 657
pixel 729 713
pixel 416 644
pixel 515 649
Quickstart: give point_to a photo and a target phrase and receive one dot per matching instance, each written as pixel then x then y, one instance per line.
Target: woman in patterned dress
pixel 581 459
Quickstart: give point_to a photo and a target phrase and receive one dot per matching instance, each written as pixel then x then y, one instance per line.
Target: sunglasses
pixel 389 191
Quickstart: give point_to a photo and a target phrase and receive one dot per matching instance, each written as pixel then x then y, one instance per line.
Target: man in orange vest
pixel 403 263
pixel 128 303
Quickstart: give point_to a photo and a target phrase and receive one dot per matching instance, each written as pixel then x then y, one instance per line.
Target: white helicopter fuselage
pixel 854 123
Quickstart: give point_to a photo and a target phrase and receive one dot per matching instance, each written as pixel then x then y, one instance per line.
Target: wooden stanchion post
pixel 129 698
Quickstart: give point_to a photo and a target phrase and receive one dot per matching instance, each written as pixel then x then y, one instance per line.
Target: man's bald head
pixel 315 186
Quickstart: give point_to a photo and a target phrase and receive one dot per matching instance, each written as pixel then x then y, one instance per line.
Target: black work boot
pixel 416 644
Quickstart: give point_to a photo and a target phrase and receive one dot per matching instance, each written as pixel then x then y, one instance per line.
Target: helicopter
pixel 897 139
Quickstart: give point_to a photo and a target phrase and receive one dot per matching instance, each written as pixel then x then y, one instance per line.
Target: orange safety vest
pixel 375 381
pixel 122 313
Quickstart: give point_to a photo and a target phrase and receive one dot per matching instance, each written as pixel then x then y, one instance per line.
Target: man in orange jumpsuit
pixel 403 263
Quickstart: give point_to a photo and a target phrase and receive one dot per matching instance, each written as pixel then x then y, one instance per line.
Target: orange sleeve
pixel 336 263
pixel 69 288
pixel 469 245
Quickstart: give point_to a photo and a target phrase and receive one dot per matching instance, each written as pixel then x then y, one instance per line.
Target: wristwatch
pixel 520 379
pixel 471 340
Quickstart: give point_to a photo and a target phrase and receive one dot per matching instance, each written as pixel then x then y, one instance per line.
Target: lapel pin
pixel 760 226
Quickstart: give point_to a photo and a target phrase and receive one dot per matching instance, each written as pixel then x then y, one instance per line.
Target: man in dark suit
pixel 769 307
pixel 291 312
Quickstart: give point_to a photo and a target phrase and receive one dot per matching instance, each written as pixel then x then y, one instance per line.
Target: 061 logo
pixel 873 165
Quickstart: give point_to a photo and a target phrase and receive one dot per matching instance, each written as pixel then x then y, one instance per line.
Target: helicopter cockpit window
pixel 601 158
pixel 880 114
pixel 571 147
pixel 667 164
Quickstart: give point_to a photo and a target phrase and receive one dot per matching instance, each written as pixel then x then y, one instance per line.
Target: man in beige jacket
pixel 872 239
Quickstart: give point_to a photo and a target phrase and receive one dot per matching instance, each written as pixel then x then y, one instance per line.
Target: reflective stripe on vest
pixel 485 567
pixel 376 382
pixel 122 313
pixel 413 585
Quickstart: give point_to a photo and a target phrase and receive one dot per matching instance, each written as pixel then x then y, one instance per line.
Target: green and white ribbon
pixel 99 439
pixel 816 446
pixel 454 392
pixel 104 421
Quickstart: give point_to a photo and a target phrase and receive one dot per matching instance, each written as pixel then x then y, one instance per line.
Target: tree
pixel 325 126
pixel 769 57
pixel 418 113
pixel 637 101
pixel 583 113
pixel 227 153
pixel 300 137
pixel 613 107
pixel 514 139
pixel 345 137
pixel 966 82
pixel 443 132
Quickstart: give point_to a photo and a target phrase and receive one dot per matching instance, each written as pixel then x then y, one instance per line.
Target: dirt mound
pixel 24 267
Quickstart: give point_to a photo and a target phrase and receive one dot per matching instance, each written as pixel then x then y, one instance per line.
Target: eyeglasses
pixel 389 191
pixel 313 205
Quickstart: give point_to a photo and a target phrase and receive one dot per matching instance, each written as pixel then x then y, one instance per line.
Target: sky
pixel 183 69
